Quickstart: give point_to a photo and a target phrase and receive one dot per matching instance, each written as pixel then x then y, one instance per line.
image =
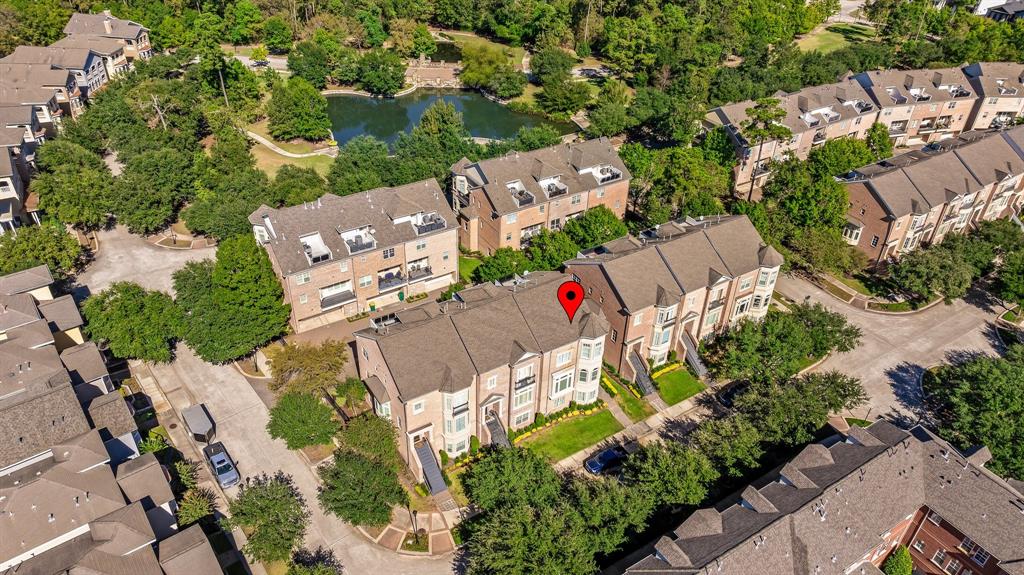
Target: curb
pixel 246 375
pixel 860 295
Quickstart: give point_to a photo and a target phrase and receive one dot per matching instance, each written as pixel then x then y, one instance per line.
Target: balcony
pixel 390 280
pixel 526 382
pixel 360 244
pixel 420 273
pixel 529 232
pixel 608 174
pixel 521 196
pixel 959 92
pixel 430 223
pixel 863 107
pixel 898 129
pixel 896 97
pixel 819 137
pixel 335 300
pixel 460 409
pixel 556 189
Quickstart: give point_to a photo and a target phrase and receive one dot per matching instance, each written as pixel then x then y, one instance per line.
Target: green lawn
pixel 270 161
pixel 563 439
pixel 835 37
pixel 835 290
pixel 516 53
pixel 678 385
pixel 466 266
pixel 858 422
pixel 1011 315
pixel 294 146
pixel 635 408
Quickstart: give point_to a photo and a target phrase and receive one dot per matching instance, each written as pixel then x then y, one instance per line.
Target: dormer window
pixel 315 249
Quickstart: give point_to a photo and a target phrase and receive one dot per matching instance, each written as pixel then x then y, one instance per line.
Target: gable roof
pixel 84 363
pixel 25 280
pixel 67 58
pixel 143 478
pixel 110 412
pixel 188 552
pixel 95 24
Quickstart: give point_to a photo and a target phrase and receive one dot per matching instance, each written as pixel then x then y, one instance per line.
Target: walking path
pixel 436 525
pixel 328 151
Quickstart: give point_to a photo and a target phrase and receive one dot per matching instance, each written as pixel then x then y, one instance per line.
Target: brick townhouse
pixel 919 197
pixel 87 66
pixel 1000 89
pixel 490 360
pixel 60 82
pixel 921 106
pixel 841 506
pixel 132 35
pixel 675 285
pixel 502 202
pixel 340 256
pixel 814 115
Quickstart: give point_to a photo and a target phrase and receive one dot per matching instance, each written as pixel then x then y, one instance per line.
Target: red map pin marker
pixel 570 295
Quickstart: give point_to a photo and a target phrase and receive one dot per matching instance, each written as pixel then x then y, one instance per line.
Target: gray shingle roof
pixel 100 45
pixel 34 419
pixel 110 412
pixel 997 79
pixel 67 58
pixel 84 363
pixel 143 478
pixel 61 313
pixel 93 24
pixel 877 82
pixel 835 503
pixel 497 327
pixel 25 281
pixel 332 214
pixel 188 552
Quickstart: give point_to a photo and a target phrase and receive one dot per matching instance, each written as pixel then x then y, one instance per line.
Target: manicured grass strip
pixel 635 408
pixel 858 422
pixel 466 267
pixel 562 440
pixel 1011 315
pixel 678 385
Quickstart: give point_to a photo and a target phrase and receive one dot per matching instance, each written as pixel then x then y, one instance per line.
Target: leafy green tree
pixel 350 393
pixel 490 69
pixel 243 21
pixel 136 323
pixel 549 249
pixel 718 148
pixel 306 368
pixel 362 164
pixel 294 185
pixel 763 125
pixel 899 562
pixel 837 157
pixel 506 82
pixel 981 403
pixel 933 271
pixel 234 306
pixel 197 504
pixel 301 420
pixel 509 478
pixel 1010 284
pixel 596 226
pixel 277 35
pixel 297 110
pixel 187 473
pixel 381 72
pixel 732 443
pixel 411 39
pixel 609 510
pixel 808 199
pixel 1003 235
pixel 535 138
pixel 260 53
pixel 73 184
pixel 153 185
pixel 372 437
pixel 503 264
pixel 308 60
pixel 47 244
pixel 824 249
pixel 360 490
pixel 320 561
pixel 551 63
pixel 879 142
pixel 522 540
pixel 790 412
pixel 273 514
pixel 563 96
pixel 670 474
pixel 373 34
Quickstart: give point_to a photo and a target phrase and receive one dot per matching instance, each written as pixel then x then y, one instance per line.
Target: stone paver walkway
pixel 437 525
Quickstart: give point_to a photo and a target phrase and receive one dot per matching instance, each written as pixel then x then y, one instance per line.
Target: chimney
pixel 270 226
pixel 106 21
pixel 802 103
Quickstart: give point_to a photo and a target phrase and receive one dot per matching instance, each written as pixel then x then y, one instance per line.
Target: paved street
pixel 126 257
pixel 895 349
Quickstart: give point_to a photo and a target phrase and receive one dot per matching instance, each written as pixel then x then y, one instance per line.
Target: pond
pixel 384 119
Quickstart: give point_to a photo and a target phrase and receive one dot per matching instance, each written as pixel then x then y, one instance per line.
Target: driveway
pixel 241 420
pixel 127 257
pixel 896 349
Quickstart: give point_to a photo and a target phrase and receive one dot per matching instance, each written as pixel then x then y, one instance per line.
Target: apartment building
pixel 675 285
pixel 814 115
pixel 919 197
pixel 503 202
pixel 111 51
pixel 341 256
pixel 132 35
pixel 921 106
pixel 490 360
pixel 46 77
pixel 1000 90
pixel 87 66
pixel 841 506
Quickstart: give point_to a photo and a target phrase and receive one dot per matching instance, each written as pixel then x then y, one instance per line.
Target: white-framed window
pixel 365 281
pixel 585 351
pixel 561 383
pixel 953 567
pixel 576 200
pixel 261 232
pixel 939 558
pixel 600 192
pixel 745 283
pixel 562 358
pixel 583 376
pixel 444 256
pixel 586 397
pixel 302 279
pixel 662 337
pixel 742 305
pixel 981 556
pixel 967 545
pixel 382 409
pixel 521 419
pixel 343 266
pixel 851 233
pixel 524 372
pixel 762 279
pixel 511 218
pixel 689 300
pixel 934 518
pixel 455 448
pixel 919 545
pixel 666 314
pixel 417 408
pixel 599 348
pixel 456 423
pixel 541 208
pixel 523 397
pixel 303 299
pixel 492 382
pixel 388 253
pixel 421 245
pixel 713 317
pixel 595 373
pixel 638 319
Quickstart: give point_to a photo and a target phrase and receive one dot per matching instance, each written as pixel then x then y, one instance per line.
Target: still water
pixel 384 119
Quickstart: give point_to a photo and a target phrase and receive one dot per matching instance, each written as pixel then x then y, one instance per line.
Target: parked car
pixel 606 460
pixel 221 464
pixel 260 63
pixel 728 394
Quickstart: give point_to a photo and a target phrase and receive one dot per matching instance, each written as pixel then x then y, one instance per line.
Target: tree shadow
pixel 979 297
pixel 905 380
pixel 677 429
pixel 991 333
pixel 961 356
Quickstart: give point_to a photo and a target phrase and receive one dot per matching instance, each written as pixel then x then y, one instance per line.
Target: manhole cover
pixel 173 426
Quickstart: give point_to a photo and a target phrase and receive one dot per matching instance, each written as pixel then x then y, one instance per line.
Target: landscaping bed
pixel 858 422
pixel 636 408
pixel 566 438
pixel 678 385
